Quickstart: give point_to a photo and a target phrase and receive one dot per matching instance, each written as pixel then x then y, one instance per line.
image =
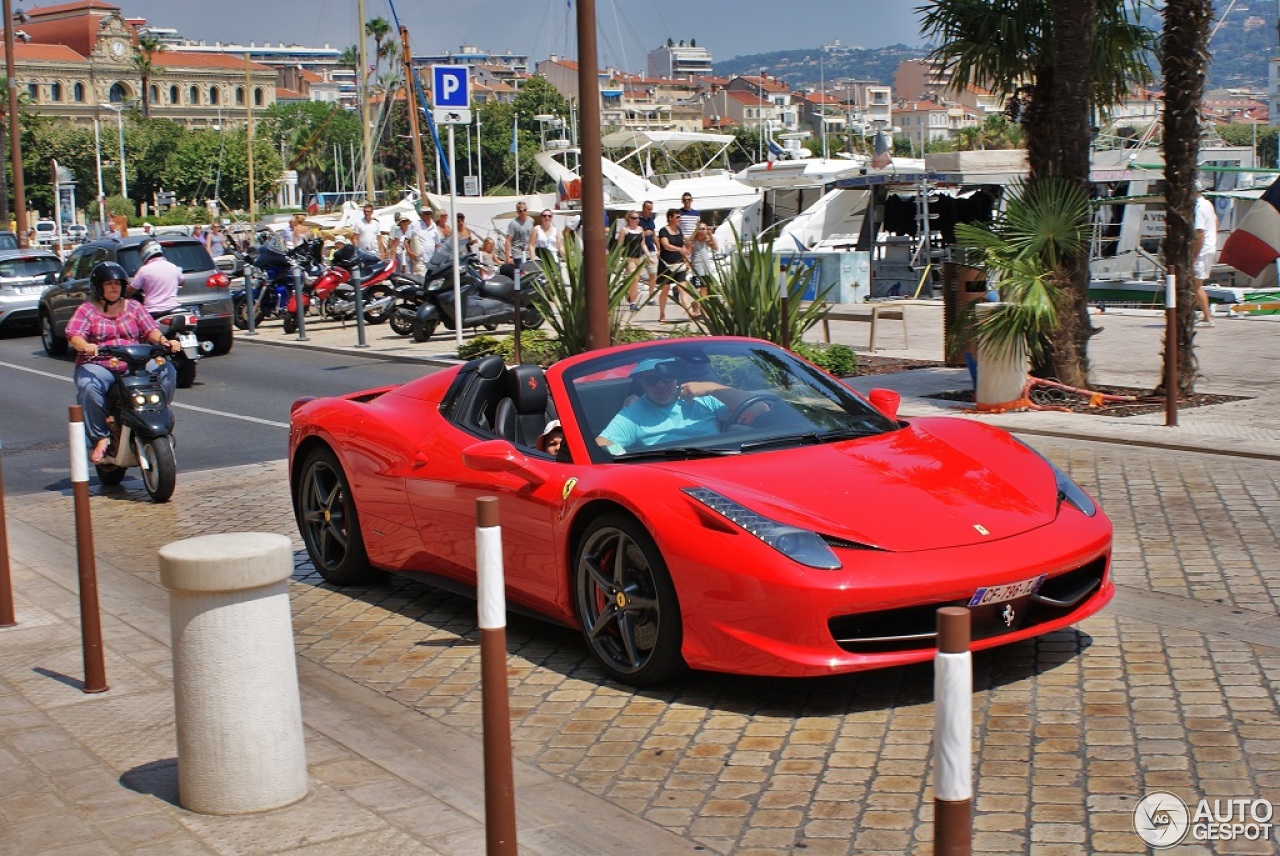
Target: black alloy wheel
pixel 328 522
pixel 626 603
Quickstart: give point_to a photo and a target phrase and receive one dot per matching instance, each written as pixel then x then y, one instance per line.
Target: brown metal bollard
pixel 953 735
pixel 7 618
pixel 499 787
pixel 95 670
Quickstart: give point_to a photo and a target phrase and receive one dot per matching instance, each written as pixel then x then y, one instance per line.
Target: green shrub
pixel 839 360
pixel 562 296
pixel 479 346
pixel 535 347
pixel 742 296
pixel 626 335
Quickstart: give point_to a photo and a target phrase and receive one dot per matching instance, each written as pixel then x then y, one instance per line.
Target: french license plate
pixel 1009 591
pixel 188 340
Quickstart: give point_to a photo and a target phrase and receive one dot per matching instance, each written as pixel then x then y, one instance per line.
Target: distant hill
pixel 807 67
pixel 1245 42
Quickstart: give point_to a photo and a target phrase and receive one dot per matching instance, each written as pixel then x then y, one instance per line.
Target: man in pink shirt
pixel 158 280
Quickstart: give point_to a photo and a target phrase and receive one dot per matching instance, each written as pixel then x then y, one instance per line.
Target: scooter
pixel 335 297
pixel 178 325
pixel 485 302
pixel 141 422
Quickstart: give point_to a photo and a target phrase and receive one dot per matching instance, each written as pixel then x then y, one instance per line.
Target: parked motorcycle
pixel 142 423
pixel 333 295
pixel 270 271
pixel 485 302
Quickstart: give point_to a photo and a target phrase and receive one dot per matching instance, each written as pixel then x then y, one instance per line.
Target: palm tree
pixel 350 58
pixel 144 54
pixel 377 29
pixel 1013 48
pixel 1186 48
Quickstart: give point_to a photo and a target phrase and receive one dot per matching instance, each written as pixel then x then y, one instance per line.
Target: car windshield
pixel 13 268
pixel 191 256
pixel 708 397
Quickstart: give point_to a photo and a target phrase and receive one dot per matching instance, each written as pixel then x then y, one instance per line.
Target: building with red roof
pixel 70 58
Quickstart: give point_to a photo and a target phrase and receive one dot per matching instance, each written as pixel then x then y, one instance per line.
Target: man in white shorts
pixel 1204 250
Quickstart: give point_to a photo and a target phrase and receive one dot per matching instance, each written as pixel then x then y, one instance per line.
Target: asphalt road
pixel 236 413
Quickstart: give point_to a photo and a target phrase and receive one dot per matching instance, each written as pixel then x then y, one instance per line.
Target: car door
pixel 72 288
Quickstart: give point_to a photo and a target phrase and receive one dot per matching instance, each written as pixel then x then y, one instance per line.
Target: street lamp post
pixel 97 154
pixel 15 131
pixel 119 111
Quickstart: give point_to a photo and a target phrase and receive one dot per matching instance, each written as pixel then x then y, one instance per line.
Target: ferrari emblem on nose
pixel 982 530
pixel 1007 614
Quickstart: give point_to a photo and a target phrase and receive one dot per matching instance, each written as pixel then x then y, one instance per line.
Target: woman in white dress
pixel 545 236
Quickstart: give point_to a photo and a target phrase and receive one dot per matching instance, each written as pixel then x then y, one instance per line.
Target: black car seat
pixel 521 416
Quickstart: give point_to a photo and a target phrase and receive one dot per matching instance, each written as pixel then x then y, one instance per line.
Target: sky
pixel 626 29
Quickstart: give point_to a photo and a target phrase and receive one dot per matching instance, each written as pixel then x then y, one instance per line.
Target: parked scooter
pixel 485 302
pixel 334 296
pixel 142 423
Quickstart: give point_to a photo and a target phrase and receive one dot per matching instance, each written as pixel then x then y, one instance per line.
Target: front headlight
pixel 1068 490
pixel 799 545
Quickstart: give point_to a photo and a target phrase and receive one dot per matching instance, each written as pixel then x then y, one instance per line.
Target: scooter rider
pixel 109 319
pixel 157 280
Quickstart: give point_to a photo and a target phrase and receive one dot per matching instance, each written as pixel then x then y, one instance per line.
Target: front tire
pixel 401 322
pixel 626 603
pixel 530 318
pixel 328 521
pixel 423 330
pixel 290 323
pixel 159 468
pixel 241 314
pixel 54 345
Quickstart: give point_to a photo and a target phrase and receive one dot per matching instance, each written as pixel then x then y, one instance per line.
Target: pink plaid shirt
pixel 130 327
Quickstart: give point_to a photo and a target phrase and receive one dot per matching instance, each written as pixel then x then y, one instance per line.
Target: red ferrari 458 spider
pixel 714 503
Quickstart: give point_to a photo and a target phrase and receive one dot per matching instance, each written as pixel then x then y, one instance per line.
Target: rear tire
pixel 530 318
pixel 329 523
pixel 381 291
pixel 54 345
pixel 222 343
pixel 186 373
pixel 110 475
pixel 160 468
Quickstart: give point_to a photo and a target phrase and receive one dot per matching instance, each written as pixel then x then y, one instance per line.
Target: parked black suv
pixel 205 290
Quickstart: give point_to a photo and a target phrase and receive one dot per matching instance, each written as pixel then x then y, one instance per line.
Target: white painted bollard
pixel 235 681
pixel 953 735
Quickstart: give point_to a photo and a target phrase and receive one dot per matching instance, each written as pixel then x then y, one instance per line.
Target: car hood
pixel 912 489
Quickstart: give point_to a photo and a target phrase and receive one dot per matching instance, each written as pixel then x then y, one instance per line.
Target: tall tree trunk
pixel 1074 24
pixel 146 96
pixel 1183 60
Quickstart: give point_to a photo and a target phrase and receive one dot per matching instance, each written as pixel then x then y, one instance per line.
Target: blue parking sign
pixel 451 86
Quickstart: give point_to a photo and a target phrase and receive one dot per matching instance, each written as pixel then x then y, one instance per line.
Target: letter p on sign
pixel 451 87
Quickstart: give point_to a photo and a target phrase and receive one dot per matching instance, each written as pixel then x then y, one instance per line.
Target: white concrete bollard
pixel 235 680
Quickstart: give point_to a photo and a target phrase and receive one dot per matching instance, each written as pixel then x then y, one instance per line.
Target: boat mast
pixel 411 102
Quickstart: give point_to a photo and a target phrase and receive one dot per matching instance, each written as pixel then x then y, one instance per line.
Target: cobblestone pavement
pixel 1172 687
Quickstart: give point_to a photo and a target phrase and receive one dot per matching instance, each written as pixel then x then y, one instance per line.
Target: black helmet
pixel 104 272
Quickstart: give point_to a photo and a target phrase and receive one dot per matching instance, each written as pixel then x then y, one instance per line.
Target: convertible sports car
pixel 716 503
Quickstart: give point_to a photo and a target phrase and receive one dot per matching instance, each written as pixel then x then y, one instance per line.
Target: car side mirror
pixel 51 278
pixel 500 456
pixel 886 401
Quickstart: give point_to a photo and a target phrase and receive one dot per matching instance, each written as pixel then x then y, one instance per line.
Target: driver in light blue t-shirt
pixel 667 410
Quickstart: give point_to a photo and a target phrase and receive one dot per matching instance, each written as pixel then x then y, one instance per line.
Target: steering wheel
pixel 741 410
